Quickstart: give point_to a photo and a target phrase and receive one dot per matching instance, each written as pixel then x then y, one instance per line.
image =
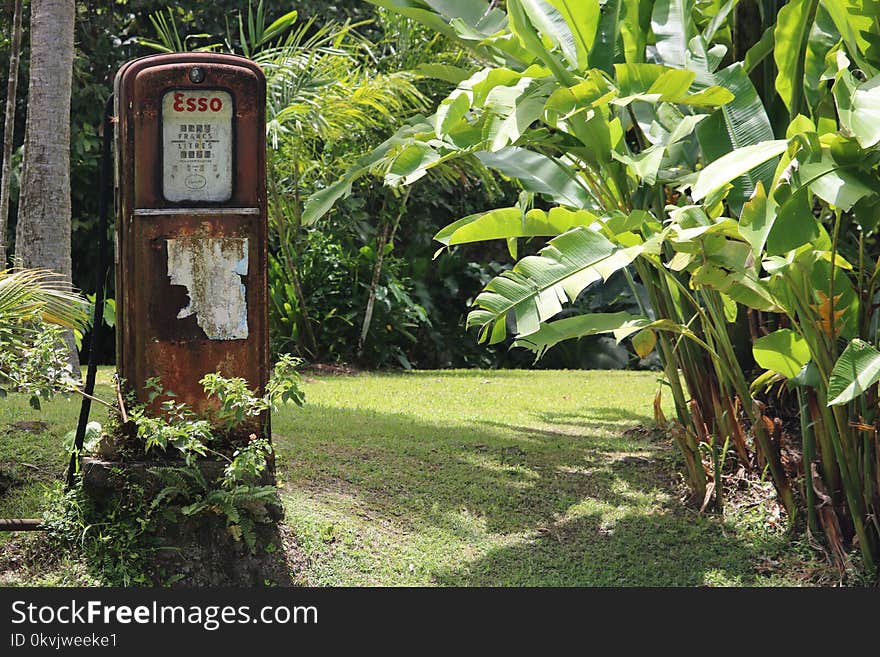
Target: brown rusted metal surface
pixel 178 318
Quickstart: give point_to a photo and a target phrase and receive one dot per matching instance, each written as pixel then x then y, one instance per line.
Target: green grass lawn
pixel 473 478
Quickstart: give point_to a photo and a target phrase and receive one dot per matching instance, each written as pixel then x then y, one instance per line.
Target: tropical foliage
pixel 642 146
pixel 35 307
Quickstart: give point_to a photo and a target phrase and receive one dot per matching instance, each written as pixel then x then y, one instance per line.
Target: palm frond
pixel 39 295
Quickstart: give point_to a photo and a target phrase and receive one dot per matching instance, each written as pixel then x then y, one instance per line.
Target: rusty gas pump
pixel 190 162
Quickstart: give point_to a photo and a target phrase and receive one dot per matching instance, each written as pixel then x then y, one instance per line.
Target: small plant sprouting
pixel 187 487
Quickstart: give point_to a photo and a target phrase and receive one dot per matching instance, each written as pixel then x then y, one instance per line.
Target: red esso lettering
pixel 200 104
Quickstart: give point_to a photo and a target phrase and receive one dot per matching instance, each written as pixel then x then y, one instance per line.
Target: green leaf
pixel 793 226
pixel 793 24
pixel 552 333
pixel 510 111
pixel 823 37
pixel 582 17
pixel 644 165
pixel 758 52
pixel 743 287
pixel 644 342
pixel 859 108
pixel 740 123
pixel 438 14
pixel 553 26
pixel 610 25
pixel 840 187
pixel 536 287
pixel 411 164
pixel 445 72
pixel 673 26
pixel 319 203
pixel 857 369
pixel 541 174
pixel 505 223
pixel 523 27
pixel 756 219
pixel 853 21
pixel 736 163
pixel 278 27
pixel 620 324
pixel 783 351
pixel 718 20
pixel 634 26
pixel 655 83
pixel 730 308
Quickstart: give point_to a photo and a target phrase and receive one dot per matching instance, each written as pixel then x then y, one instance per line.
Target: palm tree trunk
pixel 42 237
pixel 9 128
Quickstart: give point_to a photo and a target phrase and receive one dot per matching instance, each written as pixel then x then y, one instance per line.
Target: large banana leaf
pixel 535 289
pixel 782 351
pixel 855 21
pixel 542 31
pixel 673 25
pixel 792 35
pixel 858 107
pixel 735 164
pixel 823 37
pixel 857 369
pixel 740 123
pixel 438 14
pixel 570 25
pixel 540 174
pixel 655 83
pixel 552 333
pixel 582 17
pixel 505 223
pixel 610 26
pixel 620 324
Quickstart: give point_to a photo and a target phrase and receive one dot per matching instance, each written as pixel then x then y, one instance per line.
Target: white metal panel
pixel 197 145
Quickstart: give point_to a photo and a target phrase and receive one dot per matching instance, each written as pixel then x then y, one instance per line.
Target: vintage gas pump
pixel 190 165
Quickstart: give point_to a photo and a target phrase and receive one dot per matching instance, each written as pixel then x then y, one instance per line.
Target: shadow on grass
pixel 545 493
pixel 668 549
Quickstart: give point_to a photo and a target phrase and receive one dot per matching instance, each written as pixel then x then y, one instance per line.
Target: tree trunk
pixel 42 237
pixel 386 236
pixel 9 128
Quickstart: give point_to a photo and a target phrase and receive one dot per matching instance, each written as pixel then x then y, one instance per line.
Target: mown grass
pixel 31 452
pixel 476 478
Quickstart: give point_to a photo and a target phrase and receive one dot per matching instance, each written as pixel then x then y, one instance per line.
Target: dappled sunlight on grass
pixel 492 478
pixel 462 478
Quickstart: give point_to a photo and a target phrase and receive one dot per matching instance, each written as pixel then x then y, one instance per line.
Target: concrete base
pixel 194 550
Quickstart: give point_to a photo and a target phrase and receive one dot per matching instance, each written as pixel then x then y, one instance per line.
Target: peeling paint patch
pixel 211 269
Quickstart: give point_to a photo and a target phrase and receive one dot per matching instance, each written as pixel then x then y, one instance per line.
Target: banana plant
pixel 575 105
pixel 814 232
pixel 649 157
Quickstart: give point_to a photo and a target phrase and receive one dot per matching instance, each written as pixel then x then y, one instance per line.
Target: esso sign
pixel 182 103
pixel 197 145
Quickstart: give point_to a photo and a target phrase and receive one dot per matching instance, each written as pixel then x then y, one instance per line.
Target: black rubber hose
pixel 104 194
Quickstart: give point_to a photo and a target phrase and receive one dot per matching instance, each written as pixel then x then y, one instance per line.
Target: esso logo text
pixel 197 104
